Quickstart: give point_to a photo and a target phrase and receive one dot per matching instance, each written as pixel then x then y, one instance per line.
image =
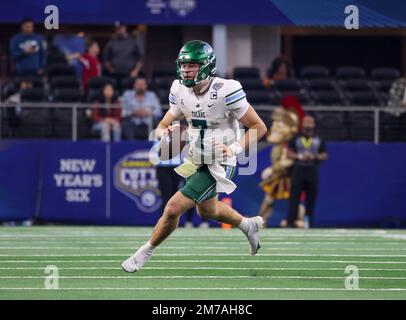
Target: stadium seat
pixel 252 84
pixel 163 95
pixel 37 81
pixel 286 85
pixel 33 95
pixel 331 125
pixel 127 84
pixel 97 83
pixel 34 122
pixel 353 85
pixel 64 82
pixel 392 127
pixel 60 70
pixel 328 98
pixel 361 126
pixel 163 83
pixel 383 85
pixel 246 72
pixel 383 98
pixel 362 98
pixel 94 95
pixel 258 96
pixel 321 84
pixel 67 95
pixel 348 72
pixel 312 72
pixel 169 72
pixel 385 73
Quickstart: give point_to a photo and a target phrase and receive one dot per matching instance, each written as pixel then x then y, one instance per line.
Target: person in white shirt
pixel 213 108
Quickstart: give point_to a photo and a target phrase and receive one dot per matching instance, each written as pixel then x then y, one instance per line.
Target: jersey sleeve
pixel 236 100
pixel 173 100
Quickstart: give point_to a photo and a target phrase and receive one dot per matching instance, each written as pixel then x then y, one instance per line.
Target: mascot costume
pixel 286 122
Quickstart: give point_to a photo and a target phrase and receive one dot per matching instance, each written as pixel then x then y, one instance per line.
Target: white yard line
pixel 197 235
pixel 199 277
pixel 208 254
pixel 204 248
pixel 196 289
pixel 208 261
pixel 195 268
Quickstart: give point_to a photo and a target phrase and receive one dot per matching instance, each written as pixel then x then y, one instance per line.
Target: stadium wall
pixel 90 182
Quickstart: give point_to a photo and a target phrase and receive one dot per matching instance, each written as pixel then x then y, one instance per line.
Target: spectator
pixel 141 108
pixel 307 150
pixel 27 50
pixel 280 70
pixel 397 97
pixel 122 55
pixel 108 118
pixel 70 44
pixel 90 62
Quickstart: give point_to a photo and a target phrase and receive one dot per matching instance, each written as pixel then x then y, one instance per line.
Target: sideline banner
pixel 90 182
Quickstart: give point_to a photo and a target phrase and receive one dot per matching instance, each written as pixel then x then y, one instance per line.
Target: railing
pixel 260 108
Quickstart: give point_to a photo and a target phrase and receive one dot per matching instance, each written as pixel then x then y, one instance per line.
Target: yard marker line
pixel 204 248
pixel 134 242
pixel 208 254
pixel 198 289
pixel 222 236
pixel 200 277
pixel 192 268
pixel 208 261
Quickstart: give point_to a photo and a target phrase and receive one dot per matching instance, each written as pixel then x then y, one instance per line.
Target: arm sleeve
pixel 236 101
pixel 125 108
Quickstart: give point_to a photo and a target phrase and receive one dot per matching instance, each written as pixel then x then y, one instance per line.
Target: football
pixel 173 143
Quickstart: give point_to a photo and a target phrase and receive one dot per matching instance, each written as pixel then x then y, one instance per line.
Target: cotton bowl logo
pixel 135 176
pixel 182 7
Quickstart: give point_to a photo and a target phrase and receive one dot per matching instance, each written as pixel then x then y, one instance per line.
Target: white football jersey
pixel 211 116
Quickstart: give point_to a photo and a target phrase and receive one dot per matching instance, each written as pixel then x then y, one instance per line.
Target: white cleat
pixel 136 261
pixel 252 234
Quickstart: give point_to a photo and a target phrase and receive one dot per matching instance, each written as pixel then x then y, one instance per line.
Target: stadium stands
pixel 316 86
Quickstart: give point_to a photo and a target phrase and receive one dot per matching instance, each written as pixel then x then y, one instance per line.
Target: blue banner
pixel 73 182
pixel 390 13
pixel 19 179
pixel 90 182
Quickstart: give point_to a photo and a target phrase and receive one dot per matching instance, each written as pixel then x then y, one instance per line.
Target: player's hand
pixel 169 129
pixel 308 157
pixel 220 147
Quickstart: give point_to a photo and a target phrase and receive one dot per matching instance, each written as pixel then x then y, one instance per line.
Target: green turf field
pixel 202 264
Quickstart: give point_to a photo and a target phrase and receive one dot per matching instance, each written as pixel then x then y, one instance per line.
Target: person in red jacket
pixel 90 62
pixel 106 118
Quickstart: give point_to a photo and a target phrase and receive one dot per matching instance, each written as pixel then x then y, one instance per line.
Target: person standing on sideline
pixel 307 150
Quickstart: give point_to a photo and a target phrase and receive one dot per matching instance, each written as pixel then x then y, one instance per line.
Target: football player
pixel 213 108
